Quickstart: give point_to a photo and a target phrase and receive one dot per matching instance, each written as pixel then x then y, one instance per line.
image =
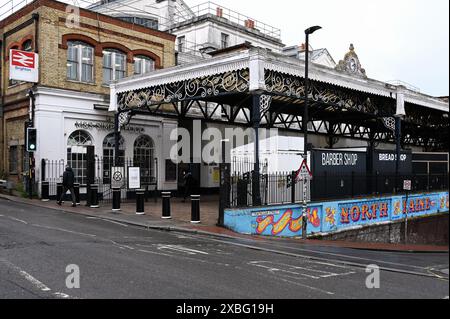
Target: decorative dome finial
pixel 352 48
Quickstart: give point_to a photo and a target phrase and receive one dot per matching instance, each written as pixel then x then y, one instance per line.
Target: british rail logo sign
pixel 24 66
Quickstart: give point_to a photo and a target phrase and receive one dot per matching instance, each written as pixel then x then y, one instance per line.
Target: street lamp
pixel 308 31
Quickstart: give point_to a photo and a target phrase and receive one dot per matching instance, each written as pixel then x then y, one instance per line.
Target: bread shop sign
pixel 108 126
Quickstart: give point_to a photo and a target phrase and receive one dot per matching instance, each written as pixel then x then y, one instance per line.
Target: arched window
pixel 80 62
pixel 27 46
pixel 76 154
pixel 143 65
pixel 143 156
pixel 114 65
pixel 109 144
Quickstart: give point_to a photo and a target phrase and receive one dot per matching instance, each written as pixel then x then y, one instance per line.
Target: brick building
pixel 77 61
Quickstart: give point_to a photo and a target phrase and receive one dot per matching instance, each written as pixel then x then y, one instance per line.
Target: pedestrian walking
pixel 188 184
pixel 68 182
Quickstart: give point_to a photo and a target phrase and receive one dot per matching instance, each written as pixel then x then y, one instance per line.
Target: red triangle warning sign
pixel 304 172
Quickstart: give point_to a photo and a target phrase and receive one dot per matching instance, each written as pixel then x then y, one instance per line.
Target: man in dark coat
pixel 68 181
pixel 188 184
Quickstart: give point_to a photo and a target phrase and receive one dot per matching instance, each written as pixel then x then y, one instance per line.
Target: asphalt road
pixel 121 261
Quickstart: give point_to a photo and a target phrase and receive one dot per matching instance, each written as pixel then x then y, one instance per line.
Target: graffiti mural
pixel 286 221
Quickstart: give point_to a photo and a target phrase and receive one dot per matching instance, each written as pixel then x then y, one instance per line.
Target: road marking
pixel 18 220
pixel 186 250
pixel 292 270
pixel 306 286
pixel 315 258
pixel 64 230
pixel 36 283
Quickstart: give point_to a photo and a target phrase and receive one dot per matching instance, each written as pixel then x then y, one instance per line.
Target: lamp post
pixel 305 121
pixel 308 31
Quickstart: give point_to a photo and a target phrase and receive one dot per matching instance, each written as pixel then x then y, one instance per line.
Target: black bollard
pixel 45 194
pixel 166 205
pixel 195 209
pixel 76 189
pixel 116 199
pixel 140 197
pixel 94 196
pixel 59 190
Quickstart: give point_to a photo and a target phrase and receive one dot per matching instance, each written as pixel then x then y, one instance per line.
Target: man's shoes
pixel 74 205
pixel 59 203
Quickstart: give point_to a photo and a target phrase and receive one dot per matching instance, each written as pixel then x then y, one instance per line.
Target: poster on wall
pixel 134 177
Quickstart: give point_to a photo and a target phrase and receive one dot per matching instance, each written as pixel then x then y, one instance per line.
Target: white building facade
pixel 69 122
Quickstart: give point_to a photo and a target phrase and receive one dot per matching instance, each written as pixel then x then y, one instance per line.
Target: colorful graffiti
pixel 279 226
pixel 354 213
pixel 291 220
pixel 330 217
pixel 286 221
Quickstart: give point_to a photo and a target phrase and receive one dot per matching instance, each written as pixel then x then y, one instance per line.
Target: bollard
pixel 116 199
pixel 45 191
pixel 59 190
pixel 76 189
pixel 166 205
pixel 195 209
pixel 140 196
pixel 94 196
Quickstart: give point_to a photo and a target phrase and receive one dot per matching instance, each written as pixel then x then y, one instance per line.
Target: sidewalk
pixel 180 222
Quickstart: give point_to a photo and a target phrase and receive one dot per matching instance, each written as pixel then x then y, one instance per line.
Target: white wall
pixel 57 111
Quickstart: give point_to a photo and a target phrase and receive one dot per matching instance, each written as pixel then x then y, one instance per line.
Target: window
pixel 114 65
pixel 225 38
pixel 13 158
pixel 144 158
pixel 27 46
pixel 76 154
pixel 80 62
pixel 143 65
pixel 181 44
pixel 146 22
pixel 109 144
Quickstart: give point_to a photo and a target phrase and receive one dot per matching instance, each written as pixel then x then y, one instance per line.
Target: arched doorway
pixel 144 157
pixel 76 154
pixel 109 145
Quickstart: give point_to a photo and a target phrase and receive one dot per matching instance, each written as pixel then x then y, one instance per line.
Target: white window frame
pixel 141 59
pixel 224 40
pixel 181 44
pixel 80 60
pixel 114 65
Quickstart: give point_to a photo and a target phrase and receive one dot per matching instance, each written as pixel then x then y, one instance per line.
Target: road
pixel 121 261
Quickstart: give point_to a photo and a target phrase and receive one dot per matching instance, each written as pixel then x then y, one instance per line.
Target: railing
pixel 11 6
pixel 54 170
pixel 212 9
pixel 276 189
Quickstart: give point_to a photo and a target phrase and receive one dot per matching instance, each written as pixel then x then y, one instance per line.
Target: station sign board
pixel 23 66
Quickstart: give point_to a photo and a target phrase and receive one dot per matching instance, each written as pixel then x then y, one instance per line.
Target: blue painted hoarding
pixel 328 217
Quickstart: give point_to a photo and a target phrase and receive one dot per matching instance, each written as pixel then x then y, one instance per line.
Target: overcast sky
pixel 404 40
